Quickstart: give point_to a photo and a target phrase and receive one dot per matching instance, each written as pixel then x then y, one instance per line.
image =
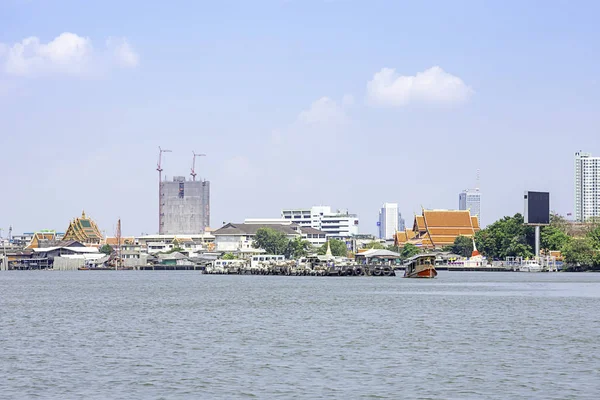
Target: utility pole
pixel 159 169
pixel 193 174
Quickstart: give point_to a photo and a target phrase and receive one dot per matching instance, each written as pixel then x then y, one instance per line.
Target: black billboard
pixel 537 208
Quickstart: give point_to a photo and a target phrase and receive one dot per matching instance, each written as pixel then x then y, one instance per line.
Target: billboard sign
pixel 537 208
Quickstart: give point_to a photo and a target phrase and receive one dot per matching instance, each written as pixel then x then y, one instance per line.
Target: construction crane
pixel 159 169
pixel 159 165
pixel 193 174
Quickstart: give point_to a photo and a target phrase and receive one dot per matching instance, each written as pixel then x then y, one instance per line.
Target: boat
pixel 530 266
pixel 420 266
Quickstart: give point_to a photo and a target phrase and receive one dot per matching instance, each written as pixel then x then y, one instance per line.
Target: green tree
pixel 594 236
pixel 106 249
pixel 508 237
pixel 338 248
pixel 270 240
pixel 175 250
pixel 228 256
pixel 463 246
pixel 297 248
pixel 409 250
pixel 374 245
pixel 394 248
pixel 580 253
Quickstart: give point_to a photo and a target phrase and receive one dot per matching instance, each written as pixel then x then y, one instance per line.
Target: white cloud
pixel 123 53
pixel 324 110
pixel 68 54
pixel 434 85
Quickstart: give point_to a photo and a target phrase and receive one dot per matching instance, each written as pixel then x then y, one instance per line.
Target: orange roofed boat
pixel 420 266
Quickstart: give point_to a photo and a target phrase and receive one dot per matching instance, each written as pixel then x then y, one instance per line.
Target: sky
pixel 295 103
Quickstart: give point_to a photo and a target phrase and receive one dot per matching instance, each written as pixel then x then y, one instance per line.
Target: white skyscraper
pixel 587 186
pixel 388 221
pixel 470 199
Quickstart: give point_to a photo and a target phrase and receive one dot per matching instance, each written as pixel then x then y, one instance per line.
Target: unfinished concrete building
pixel 184 206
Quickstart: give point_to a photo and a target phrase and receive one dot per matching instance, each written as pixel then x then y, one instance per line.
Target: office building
pixel 334 224
pixel 470 199
pixel 587 187
pixel 388 221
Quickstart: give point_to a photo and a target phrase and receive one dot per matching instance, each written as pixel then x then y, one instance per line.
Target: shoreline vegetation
pixel 578 244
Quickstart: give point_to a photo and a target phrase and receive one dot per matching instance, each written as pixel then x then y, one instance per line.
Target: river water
pixel 170 335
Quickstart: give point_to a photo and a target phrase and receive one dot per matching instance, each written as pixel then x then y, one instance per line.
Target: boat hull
pixel 428 273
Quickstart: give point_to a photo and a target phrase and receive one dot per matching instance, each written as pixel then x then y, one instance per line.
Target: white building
pixel 234 237
pixel 470 199
pixel 388 221
pixel 334 224
pixel 587 186
pixel 315 237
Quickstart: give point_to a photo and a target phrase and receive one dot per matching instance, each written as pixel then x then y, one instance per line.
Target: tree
pixel 409 250
pixel 338 248
pixel 394 248
pixel 508 237
pixel 228 256
pixel 463 246
pixel 270 240
pixel 374 245
pixel 555 236
pixel 580 253
pixel 297 248
pixel 106 249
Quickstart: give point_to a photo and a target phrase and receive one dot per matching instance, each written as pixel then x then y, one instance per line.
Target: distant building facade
pixel 184 206
pixel 334 224
pixel 470 199
pixel 401 223
pixel 587 187
pixel 388 221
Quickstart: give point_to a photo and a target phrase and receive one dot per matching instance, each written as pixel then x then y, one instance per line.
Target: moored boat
pixel 420 266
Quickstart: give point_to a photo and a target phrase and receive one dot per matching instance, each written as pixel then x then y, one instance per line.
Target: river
pixel 172 335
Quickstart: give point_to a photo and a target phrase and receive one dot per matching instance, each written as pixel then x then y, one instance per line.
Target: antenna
pixel 159 169
pixel 193 174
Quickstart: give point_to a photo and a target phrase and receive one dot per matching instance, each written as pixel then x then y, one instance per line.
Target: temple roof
pixel 438 228
pixel 84 230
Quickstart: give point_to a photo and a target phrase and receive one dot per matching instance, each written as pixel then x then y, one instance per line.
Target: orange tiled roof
pixel 419 223
pixel 40 236
pixel 475 222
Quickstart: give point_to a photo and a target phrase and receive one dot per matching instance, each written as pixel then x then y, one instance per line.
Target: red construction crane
pixel 193 174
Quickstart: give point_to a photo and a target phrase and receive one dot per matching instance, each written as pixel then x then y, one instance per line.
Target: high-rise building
pixel 334 224
pixel 470 199
pixel 401 223
pixel 587 186
pixel 184 206
pixel 388 221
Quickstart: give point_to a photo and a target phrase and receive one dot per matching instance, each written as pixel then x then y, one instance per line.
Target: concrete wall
pixel 185 206
pixel 68 264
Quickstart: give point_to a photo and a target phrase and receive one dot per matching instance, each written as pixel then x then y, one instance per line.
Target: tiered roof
pixel 84 230
pixel 41 238
pixel 439 228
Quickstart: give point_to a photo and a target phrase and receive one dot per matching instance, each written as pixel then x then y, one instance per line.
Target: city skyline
pixel 290 116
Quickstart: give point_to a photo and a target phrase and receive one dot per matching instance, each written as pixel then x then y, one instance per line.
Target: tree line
pixel 510 237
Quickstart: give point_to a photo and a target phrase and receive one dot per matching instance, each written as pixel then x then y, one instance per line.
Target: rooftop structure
pixel 439 228
pixel 84 230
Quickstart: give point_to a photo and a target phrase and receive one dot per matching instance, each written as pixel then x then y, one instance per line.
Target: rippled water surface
pixel 138 335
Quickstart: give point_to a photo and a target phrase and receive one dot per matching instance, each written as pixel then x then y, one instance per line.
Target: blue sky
pixel 296 103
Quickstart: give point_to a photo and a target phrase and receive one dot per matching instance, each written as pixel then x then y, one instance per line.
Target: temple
pixel 42 239
pixel 83 230
pixel 438 228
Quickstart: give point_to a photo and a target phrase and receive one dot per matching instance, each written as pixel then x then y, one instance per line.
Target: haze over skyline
pixel 342 103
